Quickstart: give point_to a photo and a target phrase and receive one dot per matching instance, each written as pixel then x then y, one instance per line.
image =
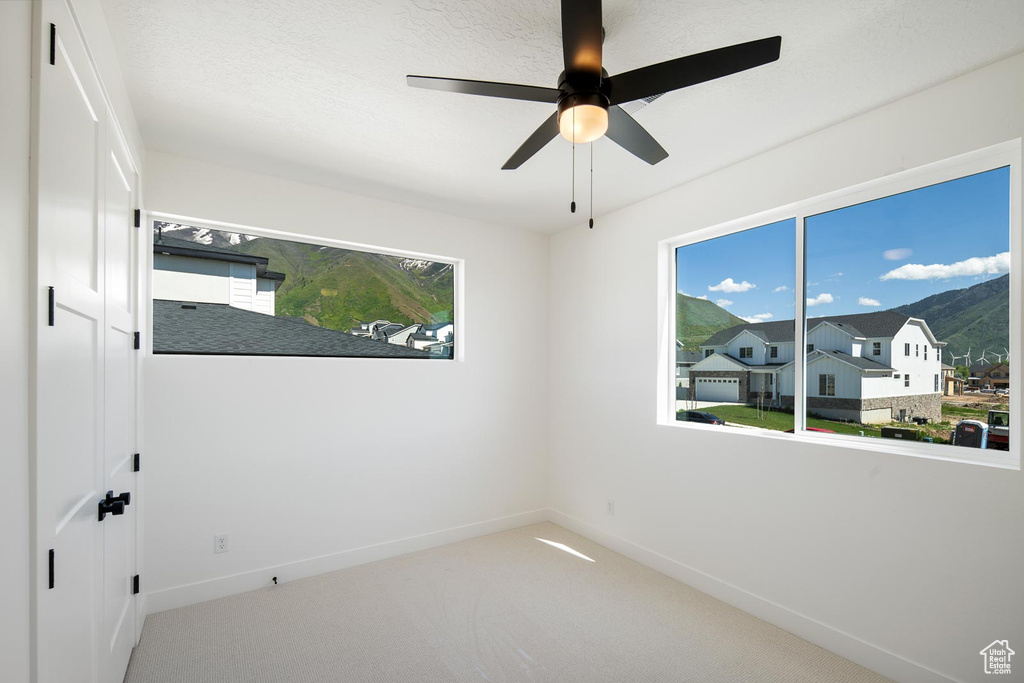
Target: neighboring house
pixel 989 376
pixel 419 340
pixel 191 271
pixel 401 336
pixel 441 349
pixel 211 301
pixel 952 385
pixel 436 338
pixel 368 329
pixel 441 332
pixel 870 367
pixel 684 361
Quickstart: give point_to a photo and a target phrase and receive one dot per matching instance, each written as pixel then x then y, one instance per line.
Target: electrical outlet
pixel 220 543
pixel 611 507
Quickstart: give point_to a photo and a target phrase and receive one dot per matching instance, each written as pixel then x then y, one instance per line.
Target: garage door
pixel 718 389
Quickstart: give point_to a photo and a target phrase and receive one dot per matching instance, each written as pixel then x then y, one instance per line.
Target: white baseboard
pixel 190 594
pixel 843 644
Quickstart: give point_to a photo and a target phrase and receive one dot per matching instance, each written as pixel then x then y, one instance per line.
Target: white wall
pixel 299 458
pixel 15 68
pixel 905 564
pixel 183 278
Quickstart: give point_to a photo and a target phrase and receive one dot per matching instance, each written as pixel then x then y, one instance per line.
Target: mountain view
pixel 971 319
pixel 975 318
pixel 697 319
pixel 338 288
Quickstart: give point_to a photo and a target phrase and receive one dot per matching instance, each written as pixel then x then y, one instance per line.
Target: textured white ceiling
pixel 315 90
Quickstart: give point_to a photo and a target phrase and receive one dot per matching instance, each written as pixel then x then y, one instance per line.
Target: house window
pixel 714 305
pixel 936 383
pixel 774 352
pixel 876 263
pixel 708 352
pixel 217 292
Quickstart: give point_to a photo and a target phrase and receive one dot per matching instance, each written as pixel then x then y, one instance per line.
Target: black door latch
pixel 114 505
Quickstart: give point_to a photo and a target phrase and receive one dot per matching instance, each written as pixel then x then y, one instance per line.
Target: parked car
pixel 699 416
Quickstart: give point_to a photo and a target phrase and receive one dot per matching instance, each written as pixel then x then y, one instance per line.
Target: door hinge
pixel 52 571
pixel 53 44
pixel 137 463
pixel 52 307
pixel 135 585
pixel 138 218
pixel 138 341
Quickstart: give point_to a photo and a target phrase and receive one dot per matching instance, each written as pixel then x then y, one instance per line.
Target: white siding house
pixel 190 271
pixel 871 367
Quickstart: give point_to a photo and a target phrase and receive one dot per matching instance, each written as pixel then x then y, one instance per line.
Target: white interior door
pixel 84 410
pixel 117 629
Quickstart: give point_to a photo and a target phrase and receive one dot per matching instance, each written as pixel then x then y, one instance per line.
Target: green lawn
pixel 780 421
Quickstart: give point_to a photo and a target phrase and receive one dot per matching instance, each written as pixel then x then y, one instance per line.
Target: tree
pixel 962 372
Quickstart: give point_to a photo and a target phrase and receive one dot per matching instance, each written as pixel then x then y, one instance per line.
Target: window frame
pixel 1006 154
pixel 146 303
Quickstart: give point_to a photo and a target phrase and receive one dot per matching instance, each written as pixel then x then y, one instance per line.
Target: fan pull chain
pixel 572 205
pixel 591 185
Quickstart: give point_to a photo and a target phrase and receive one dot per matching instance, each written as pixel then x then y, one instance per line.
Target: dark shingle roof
pixel 219 329
pixel 173 245
pixel 877 324
pixel 435 326
pixel 858 361
pixel 688 356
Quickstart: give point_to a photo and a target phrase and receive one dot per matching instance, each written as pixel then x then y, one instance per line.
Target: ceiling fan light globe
pixel 583 123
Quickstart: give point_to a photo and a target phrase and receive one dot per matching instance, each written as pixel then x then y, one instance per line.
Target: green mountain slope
pixel 337 288
pixel 698 319
pixel 975 318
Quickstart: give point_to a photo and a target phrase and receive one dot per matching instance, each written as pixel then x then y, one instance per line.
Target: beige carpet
pixel 504 607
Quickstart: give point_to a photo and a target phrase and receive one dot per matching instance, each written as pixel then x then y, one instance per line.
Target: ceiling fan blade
pixel 582 36
pixel 624 131
pixel 690 70
pixel 511 91
pixel 542 136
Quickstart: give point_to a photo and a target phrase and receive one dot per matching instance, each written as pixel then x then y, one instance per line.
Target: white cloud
pixel 897 254
pixel 781 288
pixel 759 318
pixel 865 301
pixel 979 265
pixel 823 298
pixel 702 297
pixel 723 302
pixel 729 286
pixel 837 274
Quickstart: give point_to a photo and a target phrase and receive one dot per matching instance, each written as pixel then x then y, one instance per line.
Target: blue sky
pixel 862 258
